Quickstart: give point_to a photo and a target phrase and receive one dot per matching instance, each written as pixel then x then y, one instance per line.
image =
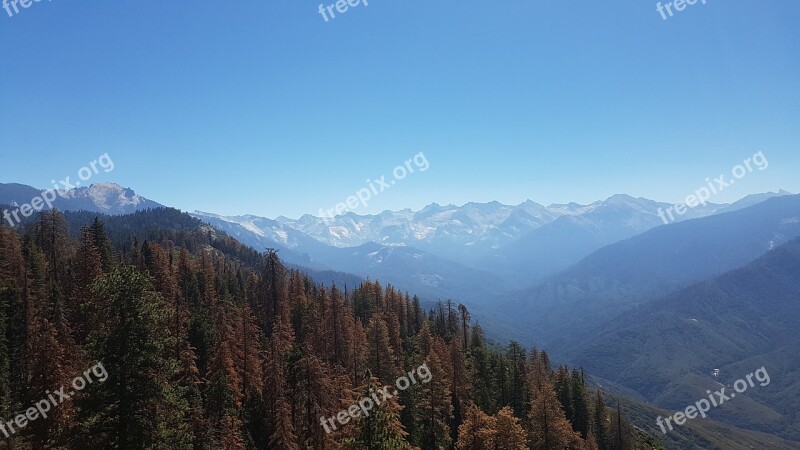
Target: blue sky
pixel 262 107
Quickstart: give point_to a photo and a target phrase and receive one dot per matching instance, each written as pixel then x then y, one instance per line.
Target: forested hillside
pixel 742 319
pixel 207 344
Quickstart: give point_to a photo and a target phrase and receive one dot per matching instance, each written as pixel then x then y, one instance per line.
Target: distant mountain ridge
pixel 106 198
pixel 476 225
pixel 520 244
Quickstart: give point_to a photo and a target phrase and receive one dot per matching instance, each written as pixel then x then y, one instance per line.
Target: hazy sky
pixel 262 107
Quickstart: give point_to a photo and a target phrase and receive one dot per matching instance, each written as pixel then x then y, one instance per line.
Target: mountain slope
pixel 414 270
pixel 261 234
pixel 737 322
pixel 645 267
pixel 697 434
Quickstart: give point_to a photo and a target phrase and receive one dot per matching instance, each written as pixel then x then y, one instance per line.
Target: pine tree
pixel 582 414
pixel 47 374
pixel 221 411
pixel 189 384
pixel 103 245
pixel 465 318
pixel 435 408
pixel 225 392
pixel 52 239
pixel 600 422
pixel 227 353
pixel 301 308
pixel 273 291
pixel 424 340
pixel 563 385
pixel 622 434
pixel 591 442
pixel 392 321
pixel 459 386
pixel 137 406
pixel 5 360
pixel 416 318
pixel 158 265
pixel 277 393
pixel 381 354
pixel 88 267
pixel 254 414
pixel 317 392
pixel 206 280
pixel 358 353
pixel 549 428
pixel 12 267
pixel 381 429
pixel 509 433
pixel 477 432
pixel 54 358
pixel 337 336
pixel 187 282
pixel 11 259
pixel 251 365
pixel 230 438
pixel 519 400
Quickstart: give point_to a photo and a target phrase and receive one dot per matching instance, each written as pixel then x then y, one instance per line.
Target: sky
pixel 262 107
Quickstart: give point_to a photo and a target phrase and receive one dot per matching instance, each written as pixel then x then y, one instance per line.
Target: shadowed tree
pixel 582 413
pixel 88 267
pixel 137 406
pixel 600 422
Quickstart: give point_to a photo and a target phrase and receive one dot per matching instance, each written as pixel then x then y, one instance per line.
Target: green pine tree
pixel 137 406
pixel 381 429
pixel 103 244
pixel 581 414
pixel 600 422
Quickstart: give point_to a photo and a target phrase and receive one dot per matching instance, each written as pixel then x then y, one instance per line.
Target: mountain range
pixel 517 246
pixel 649 309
